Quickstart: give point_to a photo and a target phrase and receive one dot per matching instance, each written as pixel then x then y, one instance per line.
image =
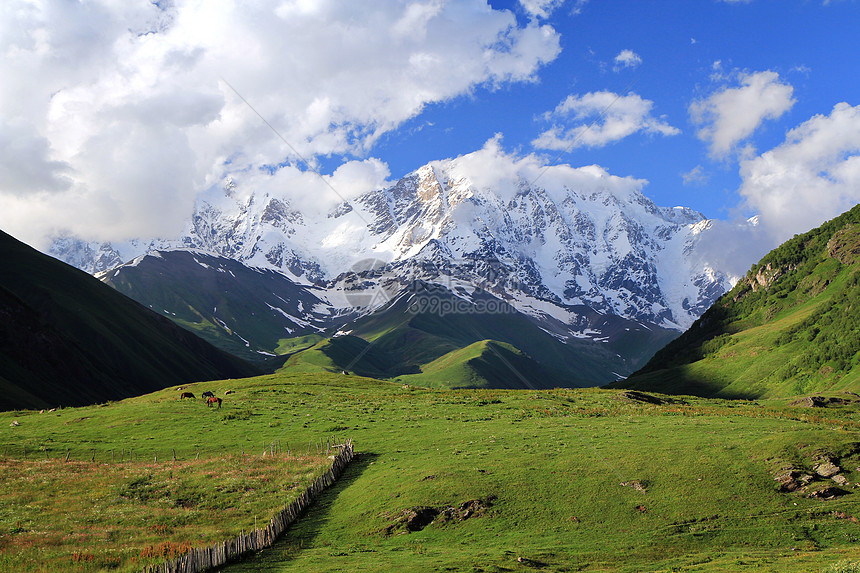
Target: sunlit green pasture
pixel 547 467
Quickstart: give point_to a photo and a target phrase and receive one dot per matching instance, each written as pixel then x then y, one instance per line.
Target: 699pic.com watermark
pixel 437 300
pixel 428 304
pixel 430 289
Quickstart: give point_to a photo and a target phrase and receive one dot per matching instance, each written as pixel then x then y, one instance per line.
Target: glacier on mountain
pixel 554 242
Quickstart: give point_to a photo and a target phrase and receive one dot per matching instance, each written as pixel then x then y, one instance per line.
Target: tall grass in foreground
pixel 85 516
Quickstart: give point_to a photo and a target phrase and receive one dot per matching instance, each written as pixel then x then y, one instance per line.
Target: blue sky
pixel 688 50
pixel 112 112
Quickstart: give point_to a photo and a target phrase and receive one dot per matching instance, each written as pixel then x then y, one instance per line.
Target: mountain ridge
pixel 582 253
pixel 584 237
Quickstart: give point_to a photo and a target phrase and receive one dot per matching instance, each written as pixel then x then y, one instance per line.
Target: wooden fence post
pixel 203 558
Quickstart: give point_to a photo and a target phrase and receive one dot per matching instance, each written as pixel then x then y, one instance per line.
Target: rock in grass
pixel 828 493
pixel 820 402
pixel 635 484
pixel 826 468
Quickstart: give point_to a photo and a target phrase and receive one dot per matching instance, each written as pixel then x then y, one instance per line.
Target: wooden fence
pixel 203 558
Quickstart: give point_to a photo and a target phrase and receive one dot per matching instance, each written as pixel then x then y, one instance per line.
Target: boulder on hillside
pixel 827 493
pixel 820 402
pixel 826 468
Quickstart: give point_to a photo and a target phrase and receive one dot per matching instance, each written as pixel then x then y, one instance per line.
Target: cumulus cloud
pixel 732 114
pixel 695 176
pixel 540 8
pixel 627 59
pixel 545 8
pixel 597 119
pixel 491 167
pixel 313 194
pixel 25 161
pixel 811 177
pixel 122 107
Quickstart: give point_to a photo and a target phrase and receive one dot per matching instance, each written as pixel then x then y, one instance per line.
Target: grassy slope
pixel 434 349
pixel 65 338
pixel 553 459
pixel 189 287
pixel 799 335
pixel 420 337
pixel 138 512
pixel 484 364
pixel 291 345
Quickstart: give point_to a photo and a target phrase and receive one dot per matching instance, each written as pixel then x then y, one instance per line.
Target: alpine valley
pixel 449 277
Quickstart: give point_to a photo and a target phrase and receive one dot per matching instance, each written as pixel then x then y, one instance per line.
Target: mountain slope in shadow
pixel 67 339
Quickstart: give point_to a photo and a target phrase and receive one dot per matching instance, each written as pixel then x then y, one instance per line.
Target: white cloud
pixel 612 118
pixel 492 168
pixel 25 164
pixel 731 115
pixel 545 8
pixel 308 192
pixel 122 110
pixel 627 59
pixel 812 177
pixel 695 176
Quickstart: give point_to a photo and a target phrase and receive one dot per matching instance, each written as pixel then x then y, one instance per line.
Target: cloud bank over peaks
pixel 308 192
pixel 729 116
pixel 596 119
pixel 492 168
pixel 122 107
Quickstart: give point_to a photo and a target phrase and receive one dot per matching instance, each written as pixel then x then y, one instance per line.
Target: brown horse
pixel 186 395
pixel 213 400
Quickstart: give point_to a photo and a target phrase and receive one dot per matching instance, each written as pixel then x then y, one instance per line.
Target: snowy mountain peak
pixel 561 236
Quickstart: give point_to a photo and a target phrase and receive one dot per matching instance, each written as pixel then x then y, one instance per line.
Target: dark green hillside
pixel 242 310
pixel 413 329
pixel 254 313
pixel 486 364
pixel 67 339
pixel 791 326
pixel 484 344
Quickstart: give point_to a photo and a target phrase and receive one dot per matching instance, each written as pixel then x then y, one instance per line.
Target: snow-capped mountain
pixel 584 254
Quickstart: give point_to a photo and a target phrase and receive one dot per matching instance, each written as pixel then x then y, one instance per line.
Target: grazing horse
pixel 207 394
pixel 186 395
pixel 213 400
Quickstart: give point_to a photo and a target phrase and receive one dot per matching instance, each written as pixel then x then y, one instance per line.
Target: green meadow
pixel 450 480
